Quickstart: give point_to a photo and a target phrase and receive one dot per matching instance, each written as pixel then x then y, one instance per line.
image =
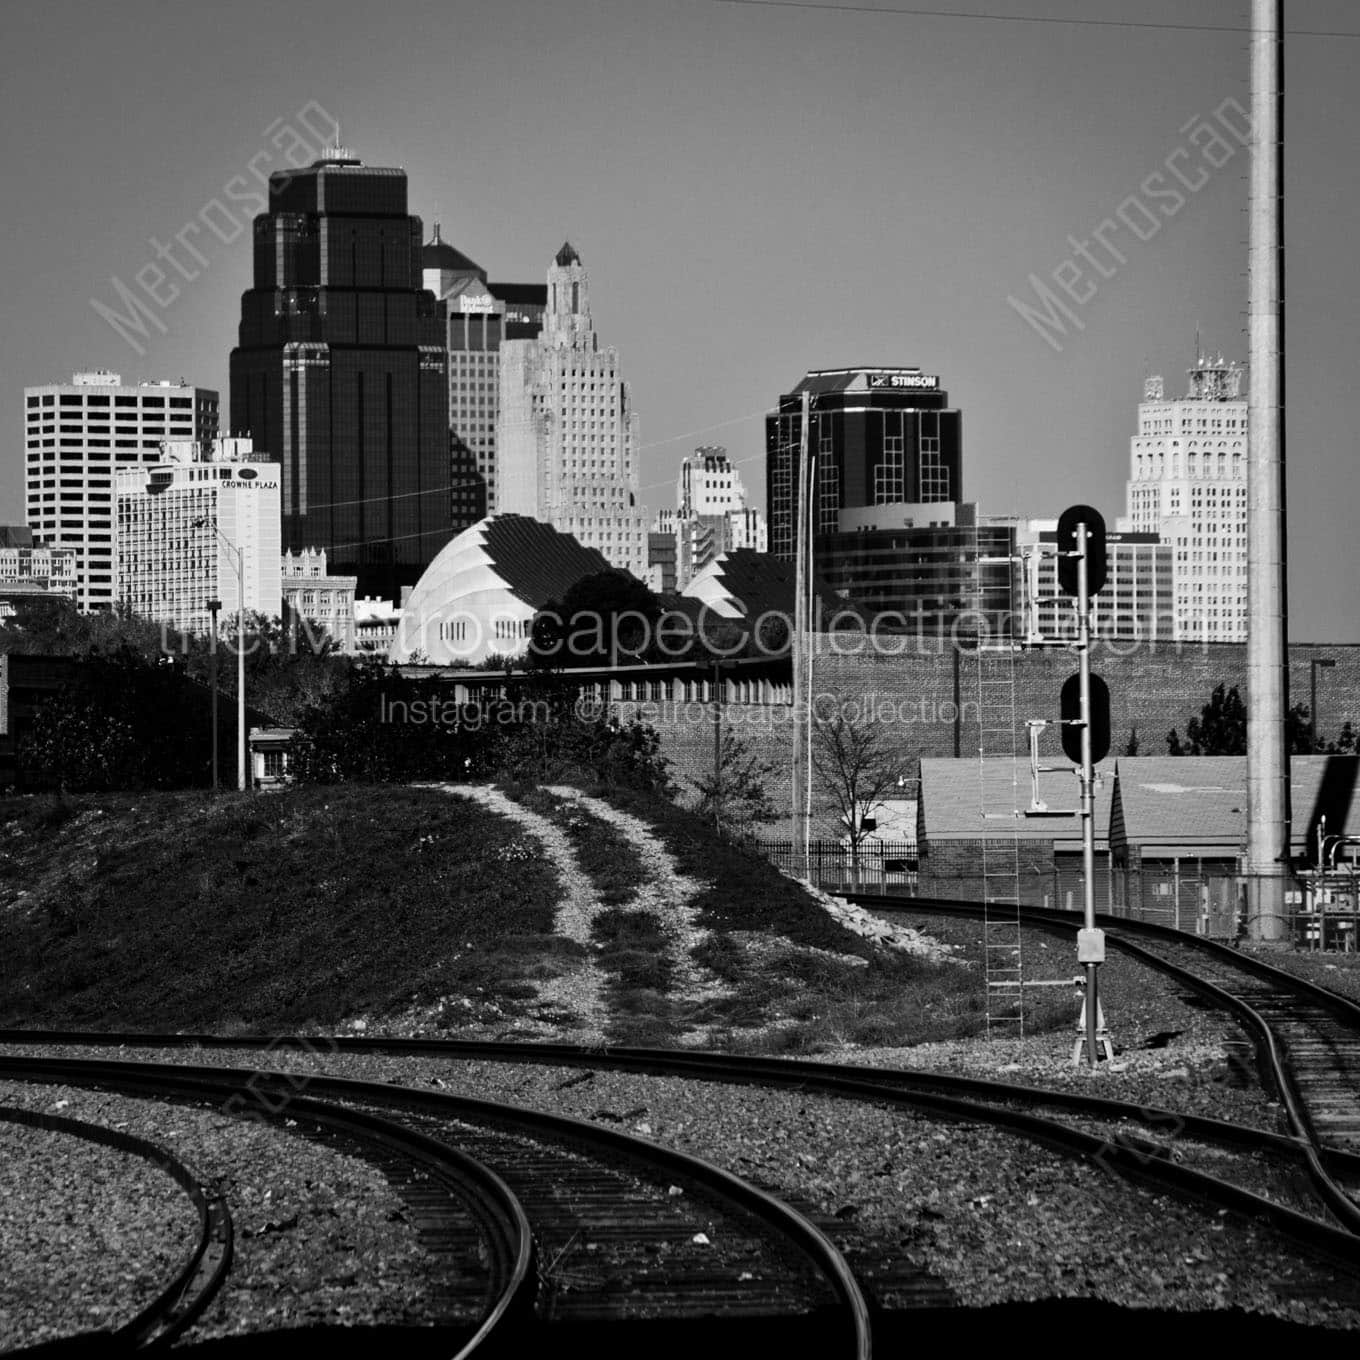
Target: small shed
pixel 981 822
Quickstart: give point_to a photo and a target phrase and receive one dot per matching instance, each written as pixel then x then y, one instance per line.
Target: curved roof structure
pixel 480 593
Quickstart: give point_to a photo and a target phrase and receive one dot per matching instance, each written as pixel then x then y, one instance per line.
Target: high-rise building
pixel 342 371
pixel 324 603
pixel 566 433
pixel 883 438
pixel 1136 603
pixel 77 435
pixel 889 530
pixel 480 315
pixel 710 518
pixel 1188 483
pixel 203 524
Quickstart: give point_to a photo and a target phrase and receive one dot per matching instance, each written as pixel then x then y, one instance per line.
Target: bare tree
pixel 855 762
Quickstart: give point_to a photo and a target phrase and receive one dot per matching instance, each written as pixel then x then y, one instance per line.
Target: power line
pixel 1030 18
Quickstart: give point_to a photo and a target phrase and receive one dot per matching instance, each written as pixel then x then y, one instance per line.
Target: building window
pixel 934 472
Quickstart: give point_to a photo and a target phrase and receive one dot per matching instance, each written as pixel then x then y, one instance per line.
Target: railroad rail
pixel 194 1285
pixel 1307 1038
pixel 1155 1156
pixel 580 1183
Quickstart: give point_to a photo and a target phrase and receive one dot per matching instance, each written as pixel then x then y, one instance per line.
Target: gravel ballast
pixel 89 1234
pixel 994 1216
pixel 320 1235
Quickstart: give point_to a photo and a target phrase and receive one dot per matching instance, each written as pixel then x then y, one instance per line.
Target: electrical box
pixel 1091 946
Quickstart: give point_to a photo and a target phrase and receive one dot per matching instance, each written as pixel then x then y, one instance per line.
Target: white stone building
pixel 77 436
pixel 180 526
pixel 711 516
pixel 325 602
pixel 1188 483
pixel 566 433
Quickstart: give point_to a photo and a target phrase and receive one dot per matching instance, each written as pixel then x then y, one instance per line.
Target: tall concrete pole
pixel 1267 655
pixel 797 836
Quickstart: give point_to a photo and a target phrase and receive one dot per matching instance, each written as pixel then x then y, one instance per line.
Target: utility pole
pixel 717 745
pixel 1268 812
pixel 213 607
pixel 800 714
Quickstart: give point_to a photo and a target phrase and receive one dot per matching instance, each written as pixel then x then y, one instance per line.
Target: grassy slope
pixel 178 911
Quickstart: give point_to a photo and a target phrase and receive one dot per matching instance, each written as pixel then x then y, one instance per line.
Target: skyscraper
pixel 77 435
pixel 566 433
pixel 889 530
pixel 342 372
pixel 480 316
pixel 711 517
pixel 202 524
pixel 1188 483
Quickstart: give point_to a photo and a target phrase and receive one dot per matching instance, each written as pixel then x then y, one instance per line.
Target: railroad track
pixel 623 1228
pixel 1157 1147
pixel 1307 1038
pixel 193 1286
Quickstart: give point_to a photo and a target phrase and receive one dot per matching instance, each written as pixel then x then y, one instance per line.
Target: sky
pixel 756 189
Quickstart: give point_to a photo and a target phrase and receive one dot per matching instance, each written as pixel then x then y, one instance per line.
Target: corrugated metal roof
pixel 964 800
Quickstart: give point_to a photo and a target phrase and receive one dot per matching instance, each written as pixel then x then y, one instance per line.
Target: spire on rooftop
pixel 567 255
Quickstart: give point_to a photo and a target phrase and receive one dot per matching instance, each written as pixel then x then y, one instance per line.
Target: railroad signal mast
pixel 1085 707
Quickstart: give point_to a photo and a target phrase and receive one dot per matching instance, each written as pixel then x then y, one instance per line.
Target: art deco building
pixel 1188 483
pixel 202 524
pixel 341 371
pixel 77 435
pixel 566 433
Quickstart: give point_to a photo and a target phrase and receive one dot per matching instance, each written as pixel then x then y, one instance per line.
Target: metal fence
pixel 1318 911
pixel 875 866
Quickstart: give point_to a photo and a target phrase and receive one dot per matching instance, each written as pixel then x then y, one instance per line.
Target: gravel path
pixel 578 988
pixel 320 1235
pixel 996 1217
pixel 668 895
pixel 100 1230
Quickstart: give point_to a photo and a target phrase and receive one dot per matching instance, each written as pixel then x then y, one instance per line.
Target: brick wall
pixel 1156 688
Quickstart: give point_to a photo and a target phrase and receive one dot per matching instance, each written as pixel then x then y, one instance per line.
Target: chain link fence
pixel 1302 911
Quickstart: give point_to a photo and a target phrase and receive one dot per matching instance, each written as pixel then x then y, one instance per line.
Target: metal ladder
pixel 1003 957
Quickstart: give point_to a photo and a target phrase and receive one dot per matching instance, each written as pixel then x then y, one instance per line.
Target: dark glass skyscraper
pixel 341 372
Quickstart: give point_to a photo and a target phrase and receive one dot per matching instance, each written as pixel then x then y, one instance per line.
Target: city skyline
pixel 956 161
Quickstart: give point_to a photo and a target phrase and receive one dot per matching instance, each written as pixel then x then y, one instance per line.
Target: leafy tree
pixel 607 619
pixel 736 795
pixel 1131 749
pixel 1221 728
pixel 123 723
pixel 1345 744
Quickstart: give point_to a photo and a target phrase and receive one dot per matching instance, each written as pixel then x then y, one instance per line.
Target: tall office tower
pixel 1136 603
pixel 77 435
pixel 481 315
pixel 711 516
pixel 566 434
pixel 889 529
pixel 886 442
pixel 202 524
pixel 342 371
pixel 1188 483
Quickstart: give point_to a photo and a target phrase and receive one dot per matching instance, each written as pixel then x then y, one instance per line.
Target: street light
pixel 1317 663
pixel 240 649
pixel 213 607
